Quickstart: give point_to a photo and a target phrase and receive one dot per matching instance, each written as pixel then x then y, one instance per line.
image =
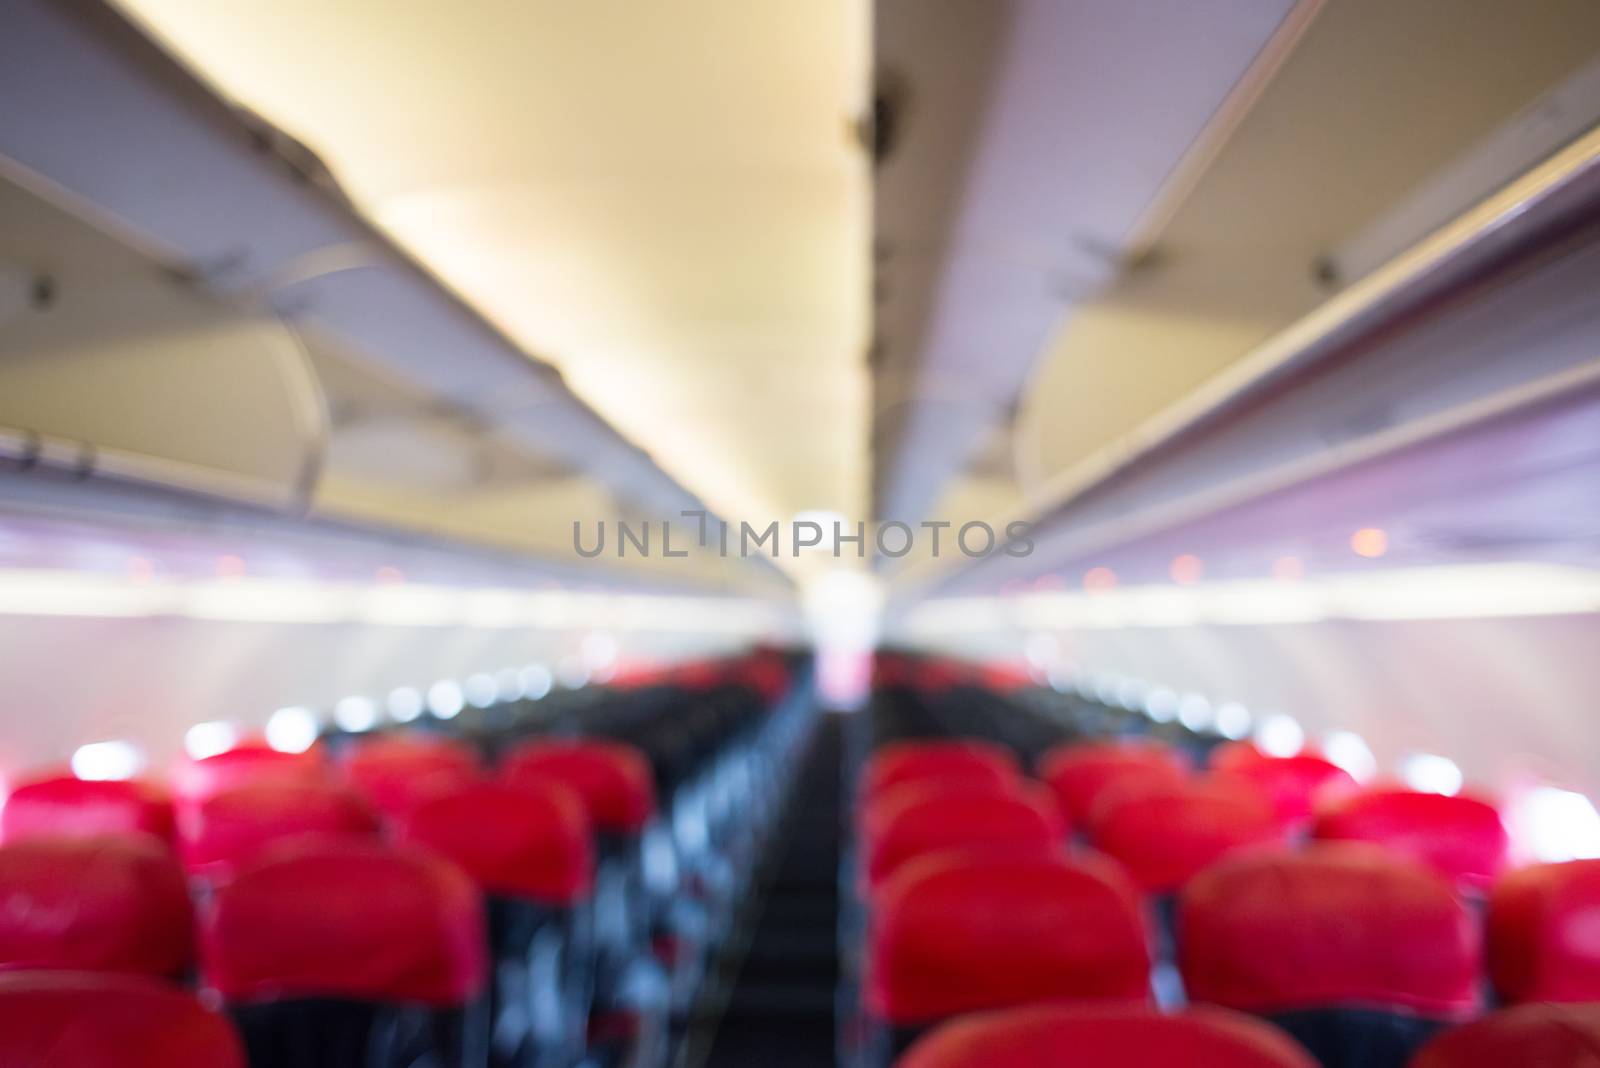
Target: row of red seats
pixel 1360 944
pixel 290 879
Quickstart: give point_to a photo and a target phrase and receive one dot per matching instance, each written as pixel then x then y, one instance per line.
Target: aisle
pixel 781 1009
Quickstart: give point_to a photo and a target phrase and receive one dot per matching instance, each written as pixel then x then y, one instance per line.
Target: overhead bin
pixel 243 214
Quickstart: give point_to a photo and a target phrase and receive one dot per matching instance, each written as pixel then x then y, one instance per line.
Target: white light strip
pixel 265 600
pixel 1463 592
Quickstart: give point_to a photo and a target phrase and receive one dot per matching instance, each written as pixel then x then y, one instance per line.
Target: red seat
pixel 1105 1036
pixel 1545 1035
pixel 398 771
pixel 1544 933
pixel 1231 756
pixel 524 840
pixel 1461 837
pixel 1164 833
pixel 1295 785
pixel 1080 772
pixel 64 805
pixel 233 826
pixel 346 920
pixel 84 1020
pixel 914 820
pixel 964 760
pixel 1337 925
pixel 114 904
pixel 613 780
pixel 954 933
pixel 195 780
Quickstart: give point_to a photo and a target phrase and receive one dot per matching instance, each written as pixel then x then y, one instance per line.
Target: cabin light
pixel 535 680
pixel 1099 578
pixel 1351 752
pixel 141 569
pixel 1280 735
pixel 389 575
pixel 599 650
pixel 1288 569
pixel 208 739
pixel 1431 773
pixel 1162 704
pixel 481 690
pixel 1549 825
pixel 1130 695
pixel 507 684
pixel 1233 720
pixel 1370 542
pixel 572 673
pixel 356 714
pixel 445 699
pixel 1194 712
pixel 230 566
pixel 293 729
pixel 1186 569
pixel 99 761
pixel 404 704
pixel 1042 650
pixel 1061 677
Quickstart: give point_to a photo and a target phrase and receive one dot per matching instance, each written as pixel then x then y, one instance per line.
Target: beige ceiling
pixel 666 201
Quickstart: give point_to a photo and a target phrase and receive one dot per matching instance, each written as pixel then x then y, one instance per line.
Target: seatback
pixel 330 954
pixel 232 826
pixel 1295 785
pixel 248 762
pixel 1541 940
pixel 1461 837
pixel 958 932
pixel 1163 833
pixel 1543 1034
pixel 915 820
pixel 965 760
pixel 1105 1036
pixel 89 1020
pixel 64 805
pixel 530 847
pixel 1079 773
pixel 112 904
pixel 397 771
pixel 1362 956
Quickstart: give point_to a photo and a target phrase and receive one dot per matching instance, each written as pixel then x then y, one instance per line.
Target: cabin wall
pixel 1509 700
pixel 73 680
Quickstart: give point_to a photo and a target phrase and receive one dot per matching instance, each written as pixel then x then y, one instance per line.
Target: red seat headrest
pixel 1080 772
pixel 83 1020
pixel 524 840
pixel 1461 837
pixel 964 760
pixel 1231 756
pixel 1546 1035
pixel 1341 924
pixel 613 780
pixel 911 821
pixel 1164 833
pixel 115 904
pixel 398 771
pixel 233 826
pixel 1544 933
pixel 195 780
pixel 1105 1036
pixel 346 919
pixel 1295 785
pixel 952 933
pixel 66 805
